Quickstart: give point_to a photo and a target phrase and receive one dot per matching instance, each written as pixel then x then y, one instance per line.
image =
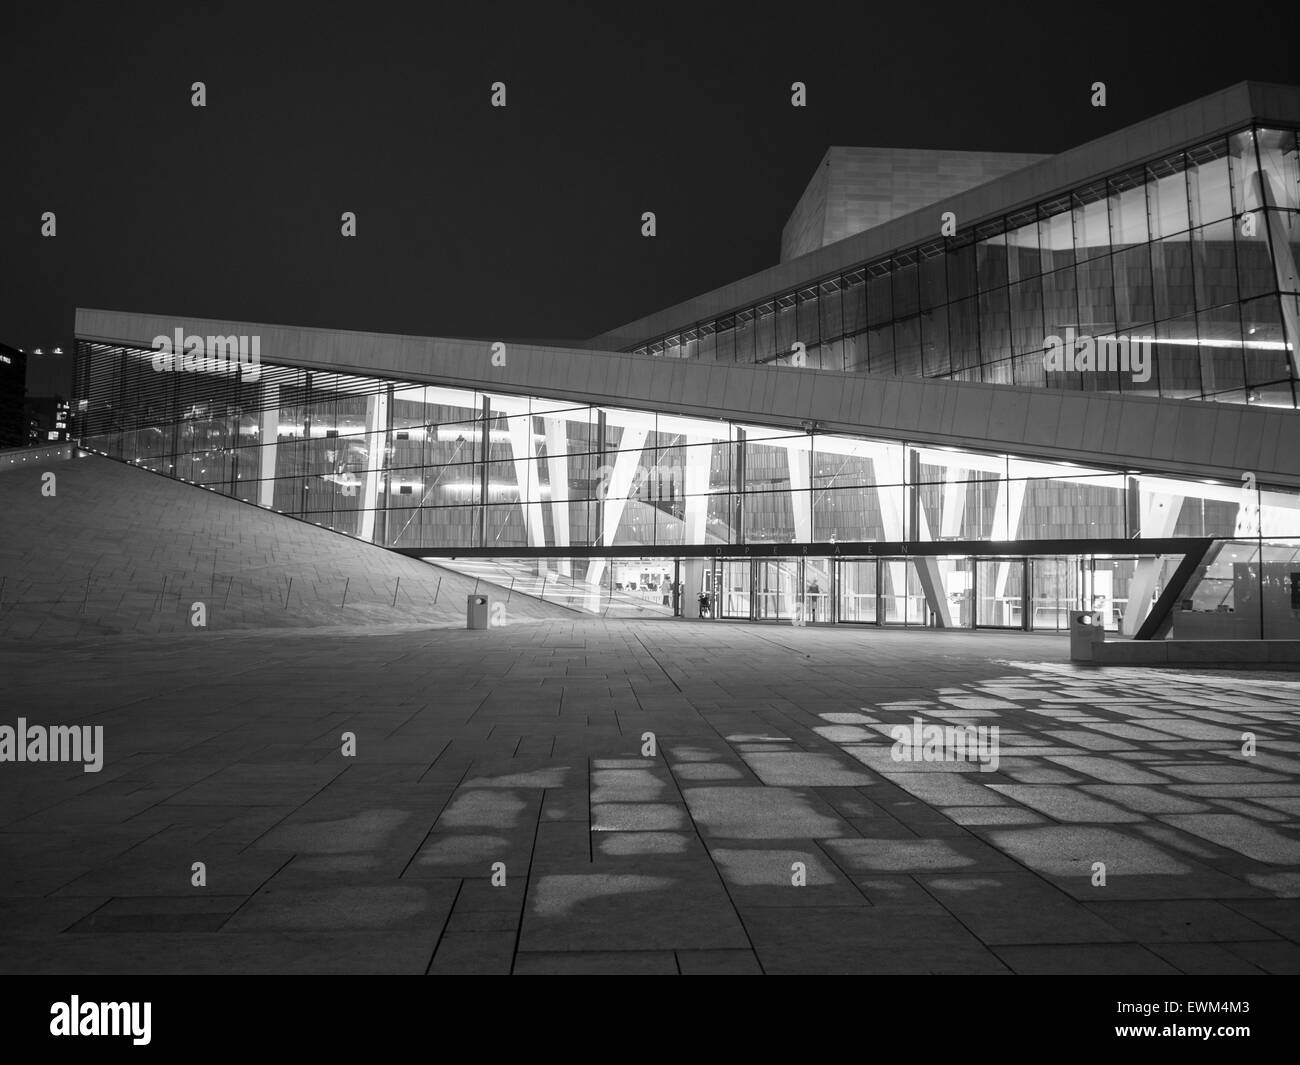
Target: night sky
pixel 522 222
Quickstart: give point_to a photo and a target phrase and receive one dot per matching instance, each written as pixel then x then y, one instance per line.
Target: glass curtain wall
pixel 1195 253
pixel 420 466
pixel 406 465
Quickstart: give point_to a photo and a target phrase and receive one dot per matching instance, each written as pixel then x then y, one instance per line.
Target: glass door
pixel 818 590
pixel 858 590
pixel 1054 592
pixel 1000 591
pixel 734 585
pixel 776 588
pixel 893 591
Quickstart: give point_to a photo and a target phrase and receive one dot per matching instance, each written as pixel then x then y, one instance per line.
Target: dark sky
pixel 524 221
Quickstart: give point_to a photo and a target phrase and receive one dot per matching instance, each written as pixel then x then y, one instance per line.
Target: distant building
pixel 13 390
pixel 46 419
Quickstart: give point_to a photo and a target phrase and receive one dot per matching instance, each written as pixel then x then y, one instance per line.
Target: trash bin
pixel 477 611
pixel 1087 629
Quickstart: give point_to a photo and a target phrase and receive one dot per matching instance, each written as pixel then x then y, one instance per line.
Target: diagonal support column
pixel 270 438
pixel 377 443
pixel 954 505
pixel 617 486
pixel 798 460
pixel 1159 516
pixel 557 470
pixel 519 427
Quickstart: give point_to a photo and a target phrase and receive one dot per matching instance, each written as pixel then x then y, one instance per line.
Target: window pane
pixel 1278 157
pixel 1284 234
pixel 1222 368
pixel 1028 370
pixel 1027 316
pixel 1167 196
pixel 1132 270
pixel 961 267
pixel 708 342
pixel 726 349
pixel 1023 260
pixel 1207 182
pixel 1262 334
pixel 1175 353
pixel 999 373
pixel 1091 223
pixel 830 355
pixel 1060 309
pixel 880 302
pixel 934 276
pixel 1214 265
pixel 906 285
pixel 1096 296
pixel 745 335
pixel 1255 273
pixel 1147 382
pixel 1128 210
pixel 832 317
pixel 991 255
pixel 855 301
pixel 1056 236
pixel 934 342
pixel 855 352
pixel 786 325
pixel 765 332
pixel 963 334
pixel 809 317
pixel 1171 276
pixel 1243 170
pixel 880 345
pixel 995 327
pixel 907 347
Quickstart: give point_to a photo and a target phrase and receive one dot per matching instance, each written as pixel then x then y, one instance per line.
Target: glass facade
pixel 407 465
pixel 1196 250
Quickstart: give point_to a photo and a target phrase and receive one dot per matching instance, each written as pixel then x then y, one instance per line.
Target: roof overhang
pixel 1180 438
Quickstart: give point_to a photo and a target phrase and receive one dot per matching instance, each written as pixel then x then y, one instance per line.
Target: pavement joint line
pixel 253 894
pixel 460 886
pixel 434 822
pixel 528 879
pixel 722 880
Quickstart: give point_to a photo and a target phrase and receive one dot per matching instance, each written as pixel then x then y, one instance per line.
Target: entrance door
pixel 732 589
pixel 818 590
pixel 858 590
pixel 1000 593
pixel 1054 591
pixel 902 599
pixel 776 588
